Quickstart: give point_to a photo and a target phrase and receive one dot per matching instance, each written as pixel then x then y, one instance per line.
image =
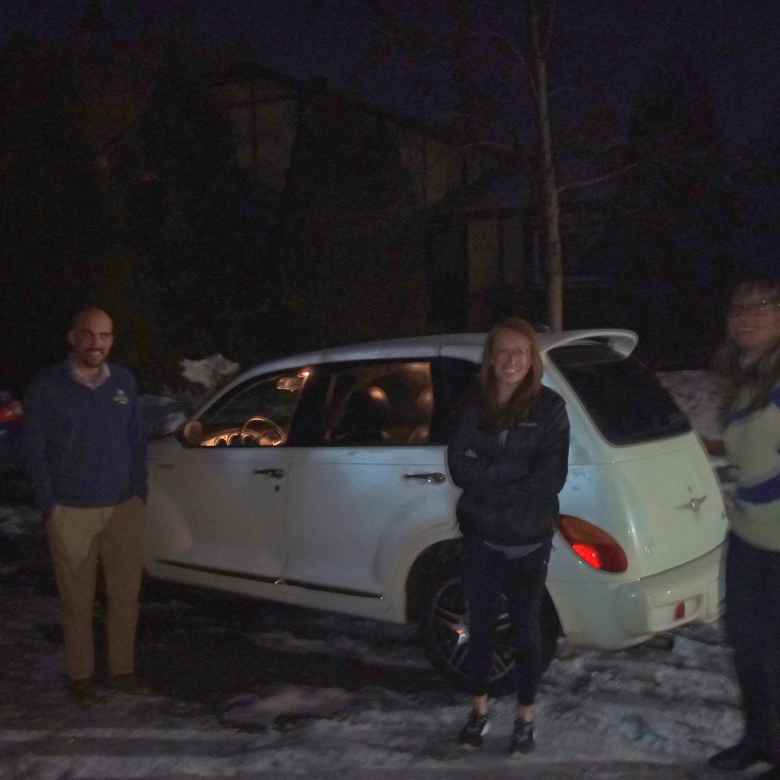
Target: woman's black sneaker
pixel 476 727
pixel 737 757
pixel 522 737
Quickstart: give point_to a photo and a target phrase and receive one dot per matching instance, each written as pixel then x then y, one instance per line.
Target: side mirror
pixel 192 433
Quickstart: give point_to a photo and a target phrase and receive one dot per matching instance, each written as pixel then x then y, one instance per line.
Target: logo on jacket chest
pixel 120 397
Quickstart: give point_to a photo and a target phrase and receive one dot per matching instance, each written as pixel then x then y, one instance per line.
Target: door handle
pixel 432 477
pixel 273 473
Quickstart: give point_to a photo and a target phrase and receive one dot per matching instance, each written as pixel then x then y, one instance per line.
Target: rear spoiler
pixel 621 341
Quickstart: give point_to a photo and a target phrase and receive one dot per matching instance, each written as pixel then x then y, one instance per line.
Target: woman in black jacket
pixel 509 453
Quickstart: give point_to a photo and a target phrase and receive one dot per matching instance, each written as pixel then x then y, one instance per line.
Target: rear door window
pixel 378 403
pixel 623 397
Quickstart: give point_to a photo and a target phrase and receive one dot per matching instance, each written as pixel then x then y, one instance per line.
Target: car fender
pixel 417 528
pixel 421 526
pixel 167 533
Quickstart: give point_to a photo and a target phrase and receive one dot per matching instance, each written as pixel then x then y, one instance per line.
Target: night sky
pixel 602 56
pixel 733 43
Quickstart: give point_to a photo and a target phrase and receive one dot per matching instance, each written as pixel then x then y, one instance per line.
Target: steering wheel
pixel 258 435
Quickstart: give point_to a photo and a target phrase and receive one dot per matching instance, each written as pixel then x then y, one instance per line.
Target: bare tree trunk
pixel 549 189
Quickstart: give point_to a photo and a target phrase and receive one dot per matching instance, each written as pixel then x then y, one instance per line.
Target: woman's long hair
pixel 758 377
pixel 518 406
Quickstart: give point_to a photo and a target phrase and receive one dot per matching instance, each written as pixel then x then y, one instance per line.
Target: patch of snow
pixel 209 372
pixel 285 702
pixel 164 414
pixel 17 520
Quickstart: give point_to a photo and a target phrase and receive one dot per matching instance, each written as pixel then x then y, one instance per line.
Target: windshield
pixel 623 397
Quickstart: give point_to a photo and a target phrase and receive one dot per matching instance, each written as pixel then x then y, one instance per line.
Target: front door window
pixel 258 414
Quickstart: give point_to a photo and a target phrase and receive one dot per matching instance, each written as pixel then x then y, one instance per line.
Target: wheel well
pixel 428 561
pixel 435 558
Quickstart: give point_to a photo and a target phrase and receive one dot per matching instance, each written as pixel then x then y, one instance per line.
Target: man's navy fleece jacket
pixel 81 446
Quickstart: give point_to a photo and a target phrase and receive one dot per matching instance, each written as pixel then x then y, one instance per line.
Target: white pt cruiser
pixel 321 480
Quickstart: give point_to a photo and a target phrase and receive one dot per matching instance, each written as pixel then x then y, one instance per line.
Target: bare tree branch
pixel 573 185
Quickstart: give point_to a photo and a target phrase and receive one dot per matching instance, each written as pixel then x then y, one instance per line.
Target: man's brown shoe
pixel 84 693
pixel 131 684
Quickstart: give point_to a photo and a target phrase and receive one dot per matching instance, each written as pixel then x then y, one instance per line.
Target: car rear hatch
pixel 661 499
pixel 674 511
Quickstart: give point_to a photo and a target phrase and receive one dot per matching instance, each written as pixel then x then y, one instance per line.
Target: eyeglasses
pixel 761 308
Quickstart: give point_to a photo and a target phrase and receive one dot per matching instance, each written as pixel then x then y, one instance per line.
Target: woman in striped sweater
pixel 750 360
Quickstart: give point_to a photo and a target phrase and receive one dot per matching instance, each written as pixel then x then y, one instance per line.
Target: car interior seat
pixel 424 408
pixel 364 417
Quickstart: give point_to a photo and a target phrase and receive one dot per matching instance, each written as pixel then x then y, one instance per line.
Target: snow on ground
pixel 163 414
pixel 290 692
pixel 209 372
pixel 649 708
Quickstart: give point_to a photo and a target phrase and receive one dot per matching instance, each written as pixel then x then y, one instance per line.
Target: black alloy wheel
pixel 446 637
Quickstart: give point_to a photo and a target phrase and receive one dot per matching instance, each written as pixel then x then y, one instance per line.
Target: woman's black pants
pixel 487 573
pixel 753 628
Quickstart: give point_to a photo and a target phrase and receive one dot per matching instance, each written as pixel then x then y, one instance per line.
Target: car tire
pixel 445 633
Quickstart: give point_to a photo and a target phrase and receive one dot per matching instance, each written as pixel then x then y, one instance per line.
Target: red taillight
pixel 11 412
pixel 593 545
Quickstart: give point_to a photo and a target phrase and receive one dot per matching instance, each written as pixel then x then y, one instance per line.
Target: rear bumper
pixel 628 613
pixel 648 606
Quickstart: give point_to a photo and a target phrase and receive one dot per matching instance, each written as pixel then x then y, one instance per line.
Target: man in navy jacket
pixel 84 450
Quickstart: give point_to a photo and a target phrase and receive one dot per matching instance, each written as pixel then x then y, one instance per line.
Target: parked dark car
pixel 14 485
pixel 11 415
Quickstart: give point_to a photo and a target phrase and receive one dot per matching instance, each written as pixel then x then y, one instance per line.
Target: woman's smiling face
pixel 754 323
pixel 511 361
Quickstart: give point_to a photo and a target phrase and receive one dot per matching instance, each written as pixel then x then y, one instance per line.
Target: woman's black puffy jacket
pixel 510 479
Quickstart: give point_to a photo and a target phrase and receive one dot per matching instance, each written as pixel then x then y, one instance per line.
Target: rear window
pixel 623 397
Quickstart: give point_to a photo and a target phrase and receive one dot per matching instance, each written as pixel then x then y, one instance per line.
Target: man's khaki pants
pixel 80 539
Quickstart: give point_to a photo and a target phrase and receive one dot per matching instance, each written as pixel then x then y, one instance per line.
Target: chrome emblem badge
pixel 694 504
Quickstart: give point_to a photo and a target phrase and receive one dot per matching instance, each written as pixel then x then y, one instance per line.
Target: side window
pixel 389 403
pixel 256 414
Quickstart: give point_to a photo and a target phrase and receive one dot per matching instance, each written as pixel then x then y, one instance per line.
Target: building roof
pixel 494 192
